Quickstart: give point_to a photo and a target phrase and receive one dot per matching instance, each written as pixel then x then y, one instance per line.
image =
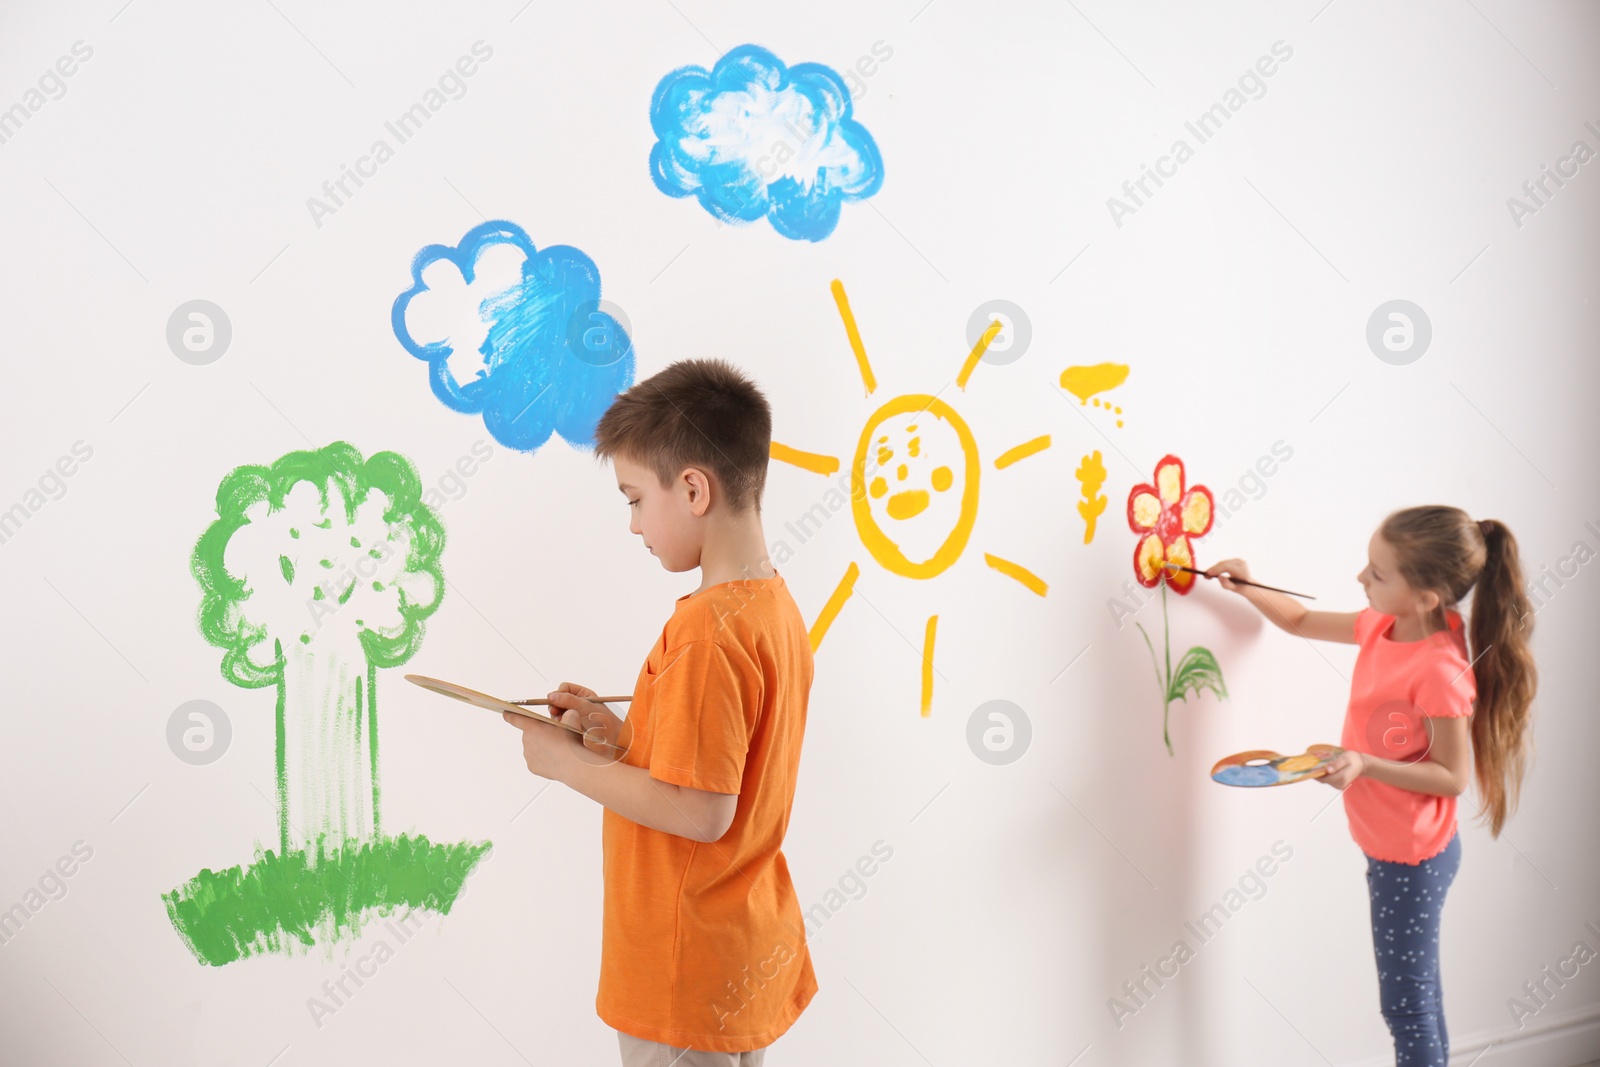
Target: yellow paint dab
pixel 1084 382
pixel 1092 473
pixel 908 503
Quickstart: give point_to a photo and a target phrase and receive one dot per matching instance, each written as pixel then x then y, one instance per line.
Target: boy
pixel 703 945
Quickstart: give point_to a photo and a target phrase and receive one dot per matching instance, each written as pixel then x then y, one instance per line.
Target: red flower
pixel 1167 516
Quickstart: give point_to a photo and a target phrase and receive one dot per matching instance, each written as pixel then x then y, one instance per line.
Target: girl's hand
pixel 1346 767
pixel 1234 567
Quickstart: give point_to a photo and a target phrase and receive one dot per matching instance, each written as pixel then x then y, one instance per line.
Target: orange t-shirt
pixel 1395 686
pixel 704 944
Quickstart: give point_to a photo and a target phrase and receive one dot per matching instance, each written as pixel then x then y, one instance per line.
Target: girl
pixel 1411 724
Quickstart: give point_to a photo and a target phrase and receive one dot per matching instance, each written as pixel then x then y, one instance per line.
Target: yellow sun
pixel 913 516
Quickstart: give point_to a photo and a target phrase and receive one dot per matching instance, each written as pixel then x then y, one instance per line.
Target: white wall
pixel 1377 165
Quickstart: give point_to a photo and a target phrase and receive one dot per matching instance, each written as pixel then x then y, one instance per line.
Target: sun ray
pixel 1022 451
pixel 927 665
pixel 977 353
pixel 1017 571
pixel 855 336
pixel 815 462
pixel 841 593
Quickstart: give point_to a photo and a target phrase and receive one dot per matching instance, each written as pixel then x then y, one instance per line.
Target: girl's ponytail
pixel 1444 550
pixel 1503 668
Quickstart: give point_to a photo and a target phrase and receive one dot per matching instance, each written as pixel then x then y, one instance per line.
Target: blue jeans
pixel 1406 901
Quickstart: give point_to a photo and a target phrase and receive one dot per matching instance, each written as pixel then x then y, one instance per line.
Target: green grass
pixel 300 899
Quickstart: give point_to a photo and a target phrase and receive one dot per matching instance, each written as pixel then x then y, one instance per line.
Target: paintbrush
pixel 1239 581
pixel 546 700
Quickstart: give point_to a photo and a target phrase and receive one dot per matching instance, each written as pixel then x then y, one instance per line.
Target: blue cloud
pixel 516 334
pixel 751 137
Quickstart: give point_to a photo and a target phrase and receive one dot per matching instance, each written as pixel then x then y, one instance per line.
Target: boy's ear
pixel 698 485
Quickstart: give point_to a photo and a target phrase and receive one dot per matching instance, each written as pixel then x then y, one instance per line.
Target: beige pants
pixel 636 1052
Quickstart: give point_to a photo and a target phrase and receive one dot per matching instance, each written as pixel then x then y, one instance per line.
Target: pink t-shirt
pixel 1395 685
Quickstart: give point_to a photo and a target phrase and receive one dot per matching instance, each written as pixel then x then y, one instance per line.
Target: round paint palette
pixel 1263 767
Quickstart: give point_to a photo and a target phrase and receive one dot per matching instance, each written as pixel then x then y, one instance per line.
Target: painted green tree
pixel 318 570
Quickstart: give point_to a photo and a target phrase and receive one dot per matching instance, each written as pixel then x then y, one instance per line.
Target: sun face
pixel 914 488
pixel 916 513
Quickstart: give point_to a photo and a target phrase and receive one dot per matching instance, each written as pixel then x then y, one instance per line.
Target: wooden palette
pixel 1262 767
pixel 483 700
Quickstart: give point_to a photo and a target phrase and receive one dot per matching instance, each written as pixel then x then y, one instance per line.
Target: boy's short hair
pixel 695 413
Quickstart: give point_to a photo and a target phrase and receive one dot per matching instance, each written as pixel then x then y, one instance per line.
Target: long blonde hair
pixel 1444 550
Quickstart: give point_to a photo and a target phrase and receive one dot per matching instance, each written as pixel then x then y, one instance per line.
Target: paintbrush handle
pixel 597 700
pixel 1275 589
pixel 1240 581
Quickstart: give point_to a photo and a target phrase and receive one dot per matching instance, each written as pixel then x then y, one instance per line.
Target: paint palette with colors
pixel 1263 767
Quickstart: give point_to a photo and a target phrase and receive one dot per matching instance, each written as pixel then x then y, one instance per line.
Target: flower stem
pixel 1166 691
pixel 1154 665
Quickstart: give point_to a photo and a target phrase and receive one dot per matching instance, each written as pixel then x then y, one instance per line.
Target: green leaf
pixel 1196 671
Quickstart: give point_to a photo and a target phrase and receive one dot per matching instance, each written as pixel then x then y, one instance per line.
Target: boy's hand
pixel 603 732
pixel 1346 767
pixel 549 751
pixel 1234 567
